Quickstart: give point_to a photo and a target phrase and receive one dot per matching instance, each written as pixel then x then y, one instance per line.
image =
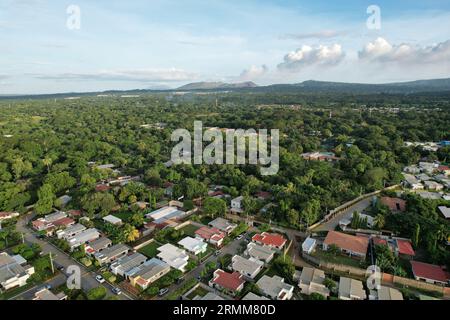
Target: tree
pixel 333 250
pixel 379 221
pixel 215 207
pixel 137 220
pixel 130 233
pixel 316 296
pixel 46 198
pixel 416 236
pixel 330 284
pixel 98 293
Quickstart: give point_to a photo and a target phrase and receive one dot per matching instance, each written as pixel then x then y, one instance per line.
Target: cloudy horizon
pixel 167 43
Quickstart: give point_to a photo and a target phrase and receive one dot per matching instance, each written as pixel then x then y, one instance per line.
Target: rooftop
pixel 445 211
pixel 351 288
pixel 269 239
pixel 230 281
pixel 429 271
pixel 394 204
pixel 274 287
pixel 347 242
pixel 246 266
pixel 405 247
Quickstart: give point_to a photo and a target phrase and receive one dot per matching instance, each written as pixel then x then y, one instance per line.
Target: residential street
pixel 59 257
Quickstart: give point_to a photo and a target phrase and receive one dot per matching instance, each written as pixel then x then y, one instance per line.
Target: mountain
pixel 216 86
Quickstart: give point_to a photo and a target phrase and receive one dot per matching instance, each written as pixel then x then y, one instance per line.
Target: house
pixel 63 223
pixel 83 238
pixel 309 245
pixel 263 195
pixel 311 281
pixel 387 293
pixel 144 275
pixel 344 223
pixel 275 288
pixel 320 156
pixel 113 220
pixel 433 185
pixel 444 170
pixel 75 213
pixel 428 167
pixel 193 245
pixel 423 177
pixel 173 256
pixel 249 268
pixel 102 188
pixel 111 254
pixel 210 296
pixel 14 272
pixel 411 182
pixel 213 235
pixel 445 211
pixel 45 294
pixel 394 204
pixel 273 240
pixel 164 214
pixel 253 297
pixel 430 273
pixel 404 248
pixel 351 289
pixel 55 216
pixel 265 254
pixel 70 231
pixel 52 221
pixel 125 264
pixel 97 245
pixel 236 205
pixel 412 169
pixel 223 225
pixel 230 282
pixel 351 245
pixel 8 215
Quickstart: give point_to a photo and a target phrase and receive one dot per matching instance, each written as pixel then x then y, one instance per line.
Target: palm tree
pixel 47 161
pixel 379 221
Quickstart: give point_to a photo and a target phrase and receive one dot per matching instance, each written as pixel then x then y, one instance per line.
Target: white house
pixel 249 268
pixel 173 256
pixel 194 246
pixel 309 245
pixel 113 220
pixel 275 288
pixel 13 271
pixel 259 252
pixel 236 205
pixel 411 182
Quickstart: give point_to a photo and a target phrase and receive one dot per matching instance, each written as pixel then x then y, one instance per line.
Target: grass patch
pixel 150 250
pixel 199 291
pixel 189 230
pixel 338 259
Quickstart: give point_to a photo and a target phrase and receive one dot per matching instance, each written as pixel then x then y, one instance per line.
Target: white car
pixel 99 278
pixel 239 237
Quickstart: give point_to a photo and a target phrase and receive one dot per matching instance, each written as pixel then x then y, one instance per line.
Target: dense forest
pixel 46 146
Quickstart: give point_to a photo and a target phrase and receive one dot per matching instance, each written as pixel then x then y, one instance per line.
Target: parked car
pixel 60 267
pixel 217 253
pixel 117 291
pixel 163 292
pixel 99 279
pixel 180 280
pixel 239 237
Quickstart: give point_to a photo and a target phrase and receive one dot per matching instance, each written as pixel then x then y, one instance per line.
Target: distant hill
pixel 306 87
pixel 216 86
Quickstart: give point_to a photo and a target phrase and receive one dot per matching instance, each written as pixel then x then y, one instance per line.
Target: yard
pixel 338 259
pixel 189 230
pixel 150 249
pixel 199 291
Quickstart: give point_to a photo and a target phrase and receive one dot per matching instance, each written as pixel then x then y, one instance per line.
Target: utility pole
pixel 51 263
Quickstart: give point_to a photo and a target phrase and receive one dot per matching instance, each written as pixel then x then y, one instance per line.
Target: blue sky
pixel 167 43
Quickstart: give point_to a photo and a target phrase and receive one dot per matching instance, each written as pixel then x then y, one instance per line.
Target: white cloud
pixel 323 34
pixel 134 75
pixel 382 51
pixel 253 73
pixel 308 56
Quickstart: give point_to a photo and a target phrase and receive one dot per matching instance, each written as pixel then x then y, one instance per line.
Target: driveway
pixel 88 281
pixel 345 214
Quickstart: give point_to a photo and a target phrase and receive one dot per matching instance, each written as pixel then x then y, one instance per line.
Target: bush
pixel 98 293
pixel 86 262
pixel 152 291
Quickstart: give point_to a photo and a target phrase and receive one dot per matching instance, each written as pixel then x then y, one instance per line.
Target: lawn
pixel 189 230
pixel 339 259
pixel 123 215
pixel 199 291
pixel 150 249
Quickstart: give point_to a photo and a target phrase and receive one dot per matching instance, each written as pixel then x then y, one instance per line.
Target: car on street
pixel 99 278
pixel 239 237
pixel 163 292
pixel 117 291
pixel 180 280
pixel 217 253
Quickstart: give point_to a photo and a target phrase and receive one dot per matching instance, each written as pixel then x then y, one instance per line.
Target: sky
pixel 51 46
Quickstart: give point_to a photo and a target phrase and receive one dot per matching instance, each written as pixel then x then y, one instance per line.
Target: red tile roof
pixel 102 188
pixel 75 213
pixel 347 242
pixel 230 281
pixel 393 202
pixel 404 247
pixel 270 239
pixel 443 168
pixel 263 195
pixel 379 241
pixel 63 222
pixel 429 271
pixel 210 233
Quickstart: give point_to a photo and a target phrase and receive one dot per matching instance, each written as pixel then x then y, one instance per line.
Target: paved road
pixel 88 281
pixel 359 207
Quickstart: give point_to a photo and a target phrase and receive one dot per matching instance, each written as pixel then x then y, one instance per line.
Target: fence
pixel 347 205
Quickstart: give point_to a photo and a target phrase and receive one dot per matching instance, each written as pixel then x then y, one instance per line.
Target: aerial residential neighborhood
pixel 225 158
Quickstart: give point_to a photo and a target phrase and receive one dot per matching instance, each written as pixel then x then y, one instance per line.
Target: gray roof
pixel 150 269
pixel 100 243
pixel 222 224
pixel 112 252
pixel 246 266
pixel 350 287
pixel 127 263
pixel 259 252
pixel 9 268
pixel 254 297
pixel 273 286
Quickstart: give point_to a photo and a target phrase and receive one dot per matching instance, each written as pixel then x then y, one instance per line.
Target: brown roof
pixel 347 242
